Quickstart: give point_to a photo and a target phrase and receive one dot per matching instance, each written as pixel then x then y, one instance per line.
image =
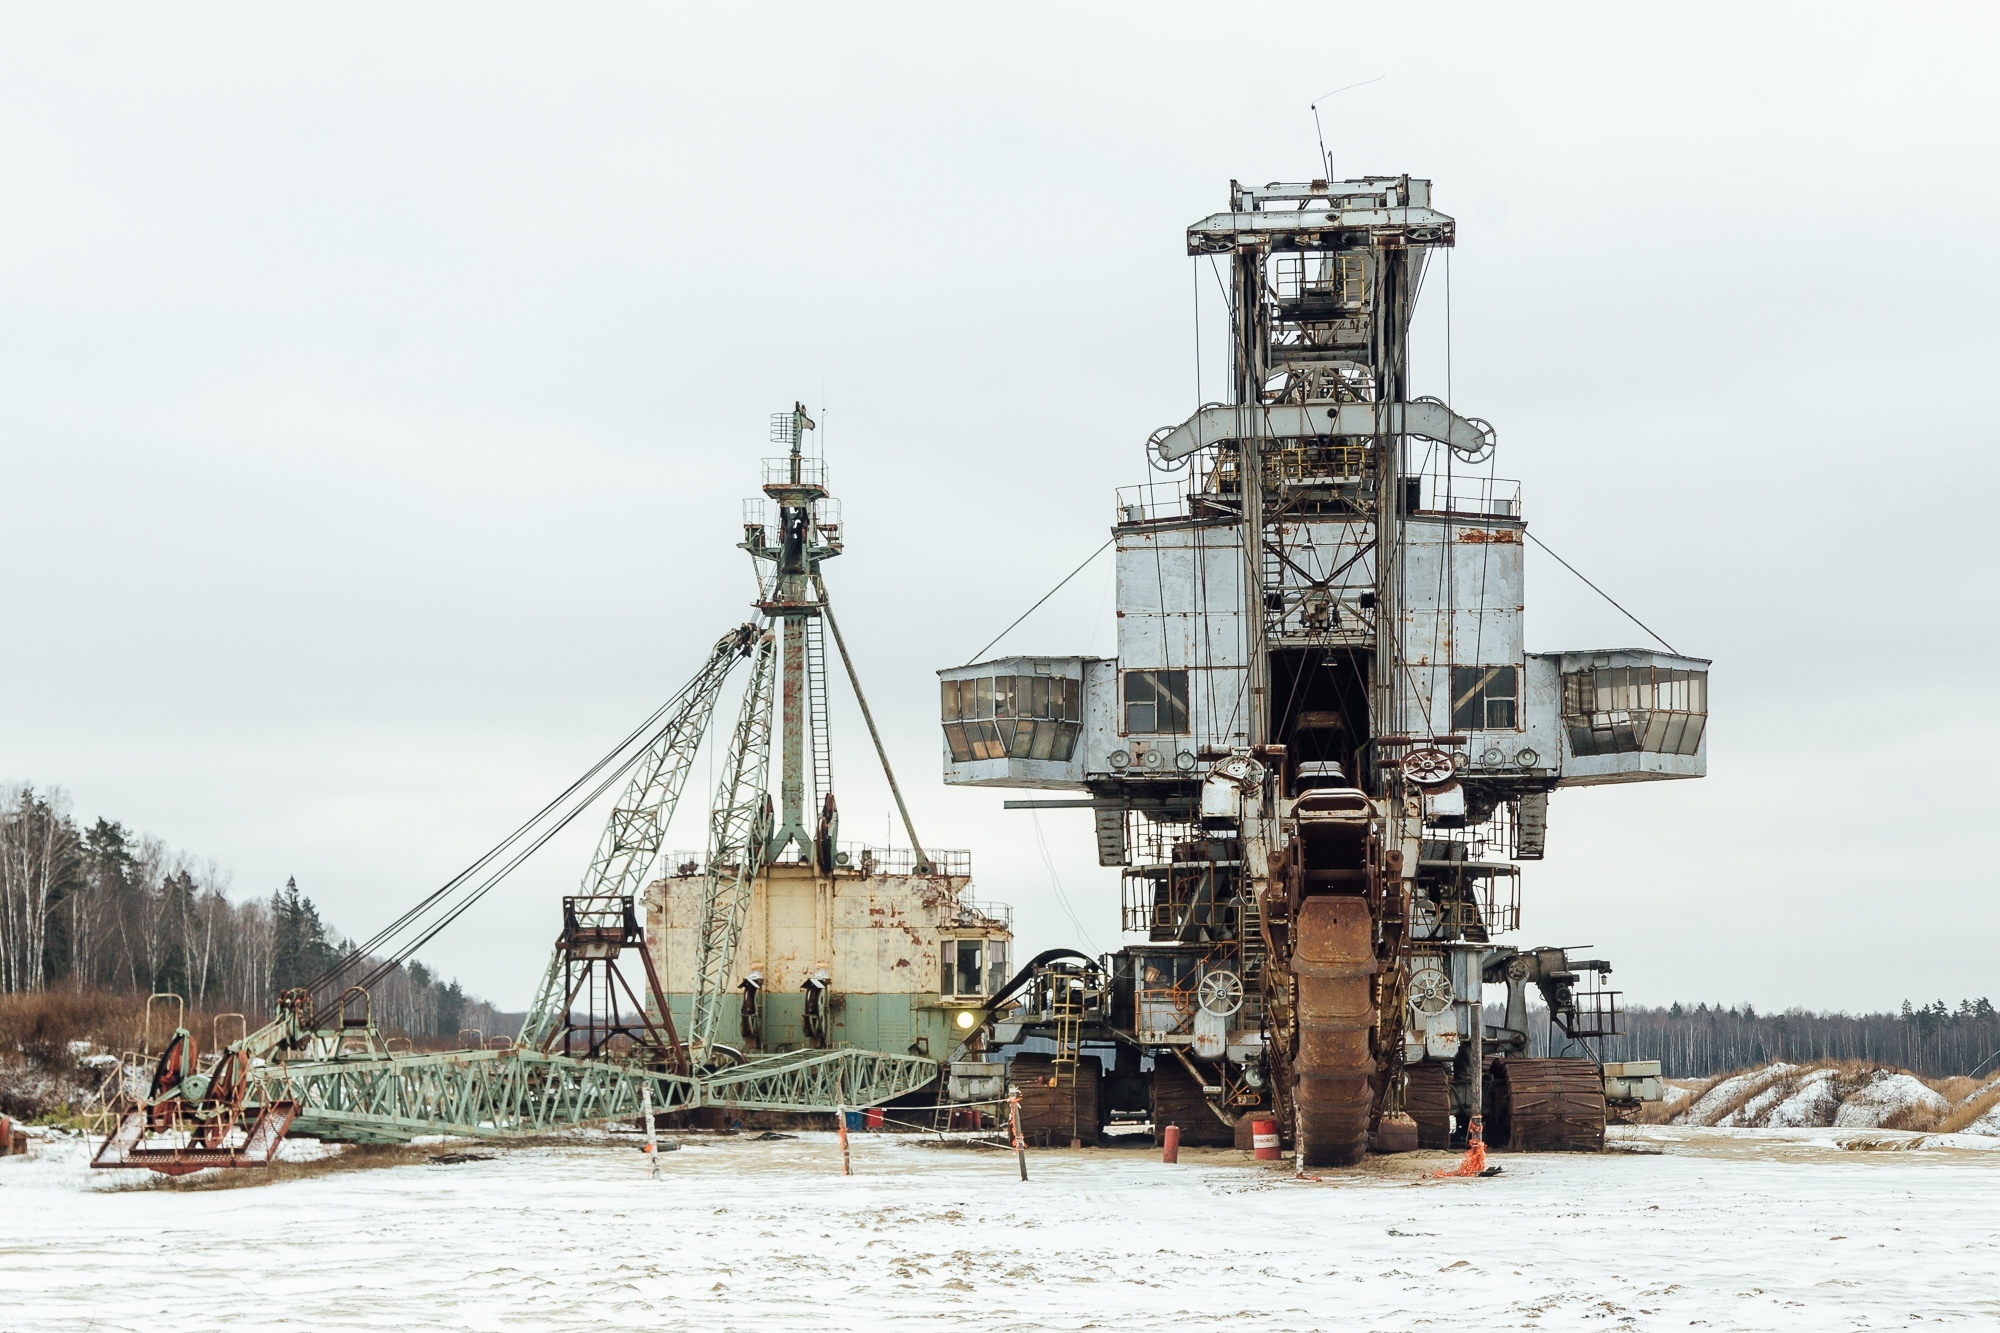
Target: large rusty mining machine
pixel 1322 751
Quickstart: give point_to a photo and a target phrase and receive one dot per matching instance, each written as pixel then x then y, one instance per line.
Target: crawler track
pixel 1332 951
pixel 1427 1097
pixel 1178 1100
pixel 1056 1113
pixel 1545 1105
pixel 1334 1066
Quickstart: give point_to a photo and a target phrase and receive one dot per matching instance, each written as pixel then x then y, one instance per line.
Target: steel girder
pixel 516 1093
pixel 817 1080
pixel 739 831
pixel 487 1093
pixel 638 825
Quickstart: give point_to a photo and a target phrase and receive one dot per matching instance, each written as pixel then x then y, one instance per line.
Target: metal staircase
pixel 1253 955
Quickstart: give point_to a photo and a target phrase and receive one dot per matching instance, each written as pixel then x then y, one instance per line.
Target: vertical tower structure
pixel 778 937
pixel 1322 749
pixel 807 533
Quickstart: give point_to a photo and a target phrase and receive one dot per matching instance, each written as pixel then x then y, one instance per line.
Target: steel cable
pixel 358 955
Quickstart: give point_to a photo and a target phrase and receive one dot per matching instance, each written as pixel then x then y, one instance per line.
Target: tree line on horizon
pixel 1935 1040
pixel 104 909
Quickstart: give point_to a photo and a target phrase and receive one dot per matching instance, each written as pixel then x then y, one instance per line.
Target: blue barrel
pixel 856 1119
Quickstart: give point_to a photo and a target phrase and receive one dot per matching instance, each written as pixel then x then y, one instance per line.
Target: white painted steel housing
pixel 1034 737
pixel 1626 714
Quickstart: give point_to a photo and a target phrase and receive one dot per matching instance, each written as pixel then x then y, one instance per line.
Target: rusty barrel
pixel 1170 1144
pixel 1264 1138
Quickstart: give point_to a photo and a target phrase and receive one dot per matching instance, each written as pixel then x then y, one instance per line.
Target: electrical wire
pixel 362 954
pixel 1043 598
pixel 1605 595
pixel 1055 882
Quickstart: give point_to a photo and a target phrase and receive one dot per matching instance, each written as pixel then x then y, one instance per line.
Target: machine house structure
pixel 1323 749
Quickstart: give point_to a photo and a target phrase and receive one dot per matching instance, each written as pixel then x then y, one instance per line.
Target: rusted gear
pixel 1429 767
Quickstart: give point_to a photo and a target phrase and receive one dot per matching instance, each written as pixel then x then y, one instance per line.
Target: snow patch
pixel 1989 1123
pixel 1813 1102
pixel 1710 1104
pixel 308 1150
pixel 1886 1096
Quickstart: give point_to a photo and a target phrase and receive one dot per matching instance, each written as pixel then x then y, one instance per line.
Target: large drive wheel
pixel 1545 1105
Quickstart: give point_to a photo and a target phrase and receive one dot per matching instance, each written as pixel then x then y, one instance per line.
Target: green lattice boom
pixel 517 1093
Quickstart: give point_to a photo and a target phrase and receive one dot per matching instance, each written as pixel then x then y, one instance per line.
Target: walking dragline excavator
pixel 770 904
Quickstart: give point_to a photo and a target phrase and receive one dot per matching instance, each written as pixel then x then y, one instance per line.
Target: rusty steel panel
pixel 1334 937
pixel 884 930
pixel 1342 1043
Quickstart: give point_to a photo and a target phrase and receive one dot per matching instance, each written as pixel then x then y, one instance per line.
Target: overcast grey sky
pixel 378 385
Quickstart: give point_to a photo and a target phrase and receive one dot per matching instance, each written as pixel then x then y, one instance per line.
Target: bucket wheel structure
pixel 1323 749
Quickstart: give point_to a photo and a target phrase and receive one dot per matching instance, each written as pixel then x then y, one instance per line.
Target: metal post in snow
pixel 1014 1120
pixel 652 1140
pixel 840 1127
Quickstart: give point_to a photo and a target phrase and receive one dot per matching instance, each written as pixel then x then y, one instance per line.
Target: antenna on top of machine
pixel 789 429
pixel 1326 163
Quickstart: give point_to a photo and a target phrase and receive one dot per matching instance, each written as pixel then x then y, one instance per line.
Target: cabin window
pixel 1012 717
pixel 1625 710
pixel 1156 703
pixel 971 969
pixel 1485 698
pixel 996 966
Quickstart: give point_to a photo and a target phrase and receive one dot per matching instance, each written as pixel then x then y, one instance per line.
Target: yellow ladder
pixel 1066 1010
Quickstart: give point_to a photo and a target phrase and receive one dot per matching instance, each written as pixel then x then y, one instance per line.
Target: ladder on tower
pixel 1274 575
pixel 1252 955
pixel 816 710
pixel 1066 1015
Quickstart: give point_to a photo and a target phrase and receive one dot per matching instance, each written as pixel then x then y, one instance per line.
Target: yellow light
pixel 965 1019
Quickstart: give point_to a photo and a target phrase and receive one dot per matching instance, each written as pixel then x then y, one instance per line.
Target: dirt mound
pixel 1720 1100
pixel 1891 1100
pixel 1849 1095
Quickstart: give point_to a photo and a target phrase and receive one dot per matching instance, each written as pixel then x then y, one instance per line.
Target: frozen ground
pixel 1761 1229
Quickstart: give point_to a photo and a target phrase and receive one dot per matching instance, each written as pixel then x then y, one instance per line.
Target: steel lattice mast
pixel 738 846
pixel 638 824
pixel 807 533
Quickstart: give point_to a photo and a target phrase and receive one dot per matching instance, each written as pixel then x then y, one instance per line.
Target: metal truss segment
pixel 738 833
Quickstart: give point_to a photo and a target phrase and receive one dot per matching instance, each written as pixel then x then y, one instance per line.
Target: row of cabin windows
pixel 1627 710
pixel 1053 698
pixel 972 969
pixel 1011 739
pixel 1012 717
pixel 1606 710
pixel 1040 717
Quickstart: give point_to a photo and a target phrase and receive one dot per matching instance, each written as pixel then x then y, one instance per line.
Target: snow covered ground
pixel 1722 1228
